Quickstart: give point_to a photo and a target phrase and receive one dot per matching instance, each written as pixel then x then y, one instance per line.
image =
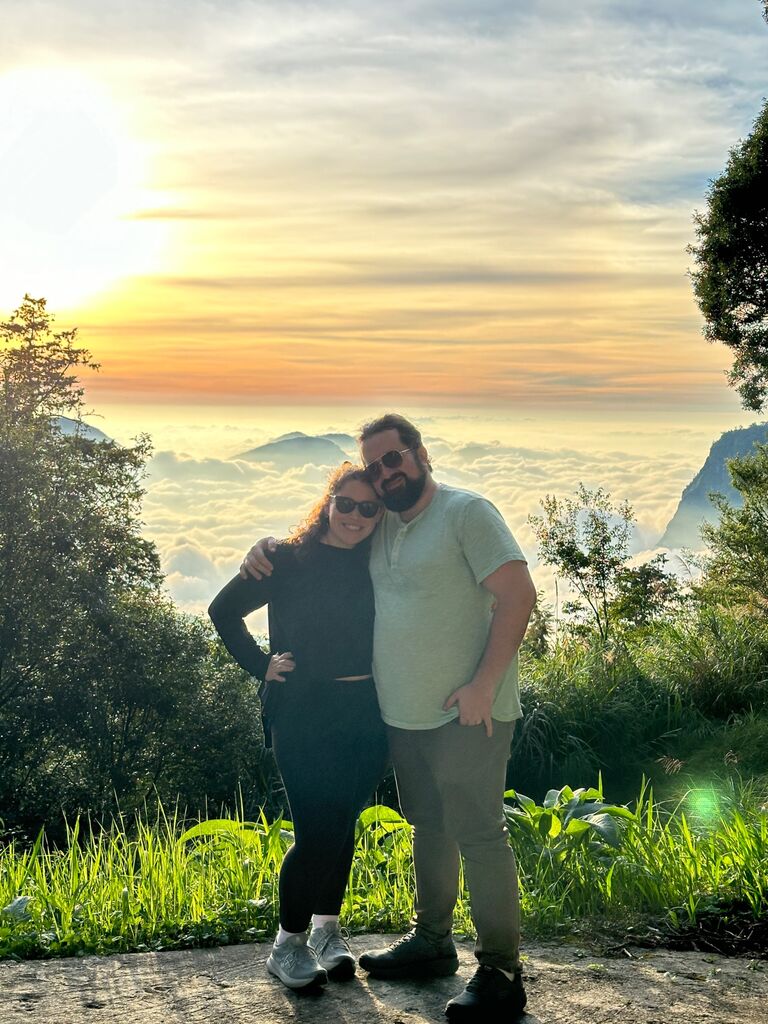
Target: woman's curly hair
pixel 315 524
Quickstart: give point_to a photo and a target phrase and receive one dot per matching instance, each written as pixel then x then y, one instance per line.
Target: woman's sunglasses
pixel 368 509
pixel 391 460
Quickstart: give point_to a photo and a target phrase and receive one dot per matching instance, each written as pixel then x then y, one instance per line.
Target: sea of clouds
pixel 204 513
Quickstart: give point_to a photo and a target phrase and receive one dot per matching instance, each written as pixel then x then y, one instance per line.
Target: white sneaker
pixel 295 964
pixel 332 951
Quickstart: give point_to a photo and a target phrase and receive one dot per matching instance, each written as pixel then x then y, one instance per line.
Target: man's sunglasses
pixel 391 460
pixel 368 509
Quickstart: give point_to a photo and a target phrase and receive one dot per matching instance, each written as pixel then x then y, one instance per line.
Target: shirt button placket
pixel 396 545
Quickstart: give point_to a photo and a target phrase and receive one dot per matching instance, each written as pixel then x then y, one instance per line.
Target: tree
pixel 644 593
pixel 107 693
pixel 737 567
pixel 586 542
pixel 731 275
pixel 537 636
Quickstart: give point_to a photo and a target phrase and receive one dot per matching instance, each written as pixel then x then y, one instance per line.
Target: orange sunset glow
pixel 344 204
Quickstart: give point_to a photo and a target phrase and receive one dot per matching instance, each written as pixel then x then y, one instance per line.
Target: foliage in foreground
pixel 690 691
pixel 680 676
pixel 216 882
pixel 108 694
pixel 736 569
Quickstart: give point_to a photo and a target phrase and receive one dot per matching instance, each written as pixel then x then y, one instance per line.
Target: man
pixel 453 598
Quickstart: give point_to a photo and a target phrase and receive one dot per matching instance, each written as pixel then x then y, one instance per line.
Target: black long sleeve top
pixel 320 608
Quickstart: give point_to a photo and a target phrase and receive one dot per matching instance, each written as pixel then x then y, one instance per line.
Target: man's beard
pixel 405 497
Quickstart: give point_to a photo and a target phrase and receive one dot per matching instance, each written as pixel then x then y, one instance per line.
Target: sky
pixel 271 216
pixel 475 204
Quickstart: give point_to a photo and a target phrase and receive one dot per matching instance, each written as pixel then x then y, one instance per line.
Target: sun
pixel 71 177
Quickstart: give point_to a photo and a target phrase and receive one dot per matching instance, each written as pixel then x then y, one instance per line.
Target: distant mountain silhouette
pixel 695 506
pixel 69 426
pixel 297 449
pixel 345 441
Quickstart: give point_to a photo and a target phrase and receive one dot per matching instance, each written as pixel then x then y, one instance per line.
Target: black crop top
pixel 320 609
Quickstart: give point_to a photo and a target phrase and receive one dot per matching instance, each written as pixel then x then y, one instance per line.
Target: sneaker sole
pixel 342 971
pixel 502 1015
pixel 508 1012
pixel 321 978
pixel 505 1014
pixel 428 969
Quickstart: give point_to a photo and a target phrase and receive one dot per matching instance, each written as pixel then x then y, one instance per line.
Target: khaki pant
pixel 451 783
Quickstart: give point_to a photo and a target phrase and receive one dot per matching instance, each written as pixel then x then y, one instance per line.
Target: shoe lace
pixel 336 938
pixel 403 940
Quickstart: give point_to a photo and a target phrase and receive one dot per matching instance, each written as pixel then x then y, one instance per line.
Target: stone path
pixel 231 986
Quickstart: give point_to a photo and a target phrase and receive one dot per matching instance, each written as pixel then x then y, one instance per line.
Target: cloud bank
pixel 204 514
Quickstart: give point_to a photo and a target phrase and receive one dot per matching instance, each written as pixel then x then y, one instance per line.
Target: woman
pixel 320 711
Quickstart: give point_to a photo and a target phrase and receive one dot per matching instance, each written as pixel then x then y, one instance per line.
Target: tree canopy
pixel 586 541
pixel 731 275
pixel 737 567
pixel 108 694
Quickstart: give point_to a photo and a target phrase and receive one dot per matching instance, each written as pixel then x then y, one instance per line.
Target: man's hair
pixel 409 434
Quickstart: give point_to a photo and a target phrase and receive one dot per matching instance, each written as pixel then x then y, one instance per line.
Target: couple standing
pixel 452 598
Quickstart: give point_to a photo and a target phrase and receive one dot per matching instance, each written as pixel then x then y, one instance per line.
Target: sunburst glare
pixel 71 177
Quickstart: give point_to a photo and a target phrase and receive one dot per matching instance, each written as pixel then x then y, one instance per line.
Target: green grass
pixel 168 887
pixel 626 865
pixel 693 689
pixel 714 658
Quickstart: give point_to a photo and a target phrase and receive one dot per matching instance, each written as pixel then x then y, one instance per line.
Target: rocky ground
pixel 231 986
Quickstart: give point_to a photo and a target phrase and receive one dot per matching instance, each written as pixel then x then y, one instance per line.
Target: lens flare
pixel 704 803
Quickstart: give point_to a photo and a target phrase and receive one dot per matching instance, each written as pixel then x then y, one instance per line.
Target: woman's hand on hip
pixel 279 664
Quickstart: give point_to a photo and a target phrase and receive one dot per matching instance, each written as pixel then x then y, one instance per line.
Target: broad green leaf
pixel 524 801
pixel 379 814
pixel 212 827
pixel 17 909
pixel 576 827
pixel 549 825
pixel 591 794
pixel 520 818
pixel 583 810
pixel 606 827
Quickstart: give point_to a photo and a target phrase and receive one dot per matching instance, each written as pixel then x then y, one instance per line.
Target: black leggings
pixel 331 748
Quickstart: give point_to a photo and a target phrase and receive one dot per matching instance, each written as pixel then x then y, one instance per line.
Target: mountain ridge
pixel 695 506
pixel 290 451
pixel 67 426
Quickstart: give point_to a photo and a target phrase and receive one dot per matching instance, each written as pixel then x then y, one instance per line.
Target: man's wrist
pixel 483 686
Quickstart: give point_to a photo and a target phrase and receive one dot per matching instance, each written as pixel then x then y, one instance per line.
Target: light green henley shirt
pixel 432 614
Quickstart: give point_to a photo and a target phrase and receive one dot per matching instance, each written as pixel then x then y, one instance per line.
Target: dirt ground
pixel 231 986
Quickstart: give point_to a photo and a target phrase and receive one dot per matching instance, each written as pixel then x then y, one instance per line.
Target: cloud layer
pixel 204 514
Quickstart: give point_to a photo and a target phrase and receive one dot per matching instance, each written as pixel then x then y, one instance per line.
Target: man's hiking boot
pixel 412 956
pixel 332 951
pixel 490 996
pixel 295 964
